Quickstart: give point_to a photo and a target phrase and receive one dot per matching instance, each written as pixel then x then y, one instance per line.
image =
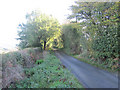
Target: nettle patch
pixel 49 73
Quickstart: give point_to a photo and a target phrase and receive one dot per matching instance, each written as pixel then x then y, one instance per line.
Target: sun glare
pixel 13 13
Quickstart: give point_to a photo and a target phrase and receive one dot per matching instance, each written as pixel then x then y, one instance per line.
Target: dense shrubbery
pixel 49 74
pixel 71 38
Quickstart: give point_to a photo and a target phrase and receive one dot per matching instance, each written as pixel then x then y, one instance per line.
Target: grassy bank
pixel 96 63
pixel 110 65
pixel 48 73
pixel 13 64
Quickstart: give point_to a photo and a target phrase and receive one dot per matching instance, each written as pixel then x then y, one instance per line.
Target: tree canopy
pixel 38 30
pixel 96 31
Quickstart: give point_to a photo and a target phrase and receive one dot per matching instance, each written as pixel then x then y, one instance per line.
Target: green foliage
pixel 39 61
pixel 38 31
pixel 107 65
pixel 95 33
pixel 59 84
pixel 49 74
pixel 71 38
pixel 107 43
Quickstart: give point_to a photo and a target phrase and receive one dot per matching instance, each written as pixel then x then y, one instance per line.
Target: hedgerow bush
pixel 13 64
pixel 48 74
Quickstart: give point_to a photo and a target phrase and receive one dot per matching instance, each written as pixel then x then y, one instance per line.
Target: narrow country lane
pixel 89 76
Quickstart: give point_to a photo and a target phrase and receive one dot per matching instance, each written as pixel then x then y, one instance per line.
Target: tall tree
pixel 99 29
pixel 38 30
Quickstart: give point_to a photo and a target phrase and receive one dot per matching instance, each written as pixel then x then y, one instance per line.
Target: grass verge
pixel 96 64
pixel 48 74
pixel 110 65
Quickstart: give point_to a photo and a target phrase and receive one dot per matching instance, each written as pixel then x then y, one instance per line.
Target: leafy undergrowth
pixel 50 73
pixel 98 64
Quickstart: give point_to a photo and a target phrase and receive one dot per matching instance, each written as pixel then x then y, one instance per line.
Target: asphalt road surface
pixel 88 75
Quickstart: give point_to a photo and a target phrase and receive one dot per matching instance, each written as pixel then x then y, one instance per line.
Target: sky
pixel 13 13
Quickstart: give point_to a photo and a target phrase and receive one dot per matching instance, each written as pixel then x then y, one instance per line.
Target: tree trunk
pixel 76 19
pixel 44 45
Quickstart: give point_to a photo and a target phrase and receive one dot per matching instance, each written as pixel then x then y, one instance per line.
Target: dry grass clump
pixel 13 64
